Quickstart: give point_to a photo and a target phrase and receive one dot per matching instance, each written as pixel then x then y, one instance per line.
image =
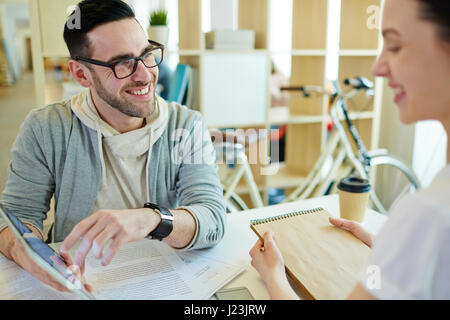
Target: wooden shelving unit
pixel 306 119
pixel 357 52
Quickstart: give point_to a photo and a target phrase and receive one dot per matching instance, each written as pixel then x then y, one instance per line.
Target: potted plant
pixel 158 30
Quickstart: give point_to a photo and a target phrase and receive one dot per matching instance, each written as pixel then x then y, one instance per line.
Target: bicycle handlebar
pixel 337 101
pixel 359 83
pixel 306 90
pixel 334 90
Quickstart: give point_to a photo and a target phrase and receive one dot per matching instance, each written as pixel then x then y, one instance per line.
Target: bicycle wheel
pixel 234 203
pixel 392 179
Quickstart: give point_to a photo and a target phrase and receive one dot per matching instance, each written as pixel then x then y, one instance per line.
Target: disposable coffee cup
pixel 353 198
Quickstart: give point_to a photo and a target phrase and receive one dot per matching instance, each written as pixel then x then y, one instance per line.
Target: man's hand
pixel 16 252
pixel 355 228
pixel 120 226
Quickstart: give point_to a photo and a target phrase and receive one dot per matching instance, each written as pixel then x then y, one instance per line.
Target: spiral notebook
pixel 325 261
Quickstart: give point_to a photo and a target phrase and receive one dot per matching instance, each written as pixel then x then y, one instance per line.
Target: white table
pixel 239 238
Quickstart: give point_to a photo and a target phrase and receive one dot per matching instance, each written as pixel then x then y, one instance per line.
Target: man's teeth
pixel 140 92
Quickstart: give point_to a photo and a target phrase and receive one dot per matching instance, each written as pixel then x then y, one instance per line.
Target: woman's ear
pixel 80 73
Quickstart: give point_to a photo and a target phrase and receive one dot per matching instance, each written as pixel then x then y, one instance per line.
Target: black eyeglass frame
pixel 136 60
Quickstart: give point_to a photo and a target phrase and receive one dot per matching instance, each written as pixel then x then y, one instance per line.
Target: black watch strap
pixel 165 226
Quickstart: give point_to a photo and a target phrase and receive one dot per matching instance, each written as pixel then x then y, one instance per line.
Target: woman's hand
pixel 268 261
pixel 355 228
pixel 266 257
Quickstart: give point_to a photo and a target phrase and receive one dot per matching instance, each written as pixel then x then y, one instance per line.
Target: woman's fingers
pixel 342 223
pixel 355 228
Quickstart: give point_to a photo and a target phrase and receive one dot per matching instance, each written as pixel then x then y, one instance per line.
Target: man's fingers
pixel 112 250
pixel 21 259
pixel 102 239
pixel 66 257
pixel 91 236
pixel 78 231
pixel 88 230
pixel 82 251
pixel 88 287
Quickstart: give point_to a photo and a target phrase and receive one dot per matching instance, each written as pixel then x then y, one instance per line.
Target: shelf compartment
pixel 189 21
pixel 303 147
pixel 306 70
pixel 253 14
pixel 284 178
pixel 356 33
pixel 281 115
pixel 309 20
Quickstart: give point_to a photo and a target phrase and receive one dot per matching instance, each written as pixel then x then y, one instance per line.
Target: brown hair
pixel 93 13
pixel 437 12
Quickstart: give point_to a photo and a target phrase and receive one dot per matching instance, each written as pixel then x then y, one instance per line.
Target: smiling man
pixel 112 156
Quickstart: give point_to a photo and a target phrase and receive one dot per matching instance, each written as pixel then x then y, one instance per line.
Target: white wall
pixel 280 34
pixel 430 150
pixel 143 8
pixel 223 14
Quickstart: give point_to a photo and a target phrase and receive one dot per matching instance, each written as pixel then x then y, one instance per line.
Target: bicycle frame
pixel 339 143
pixel 340 150
pixel 363 157
pixel 242 169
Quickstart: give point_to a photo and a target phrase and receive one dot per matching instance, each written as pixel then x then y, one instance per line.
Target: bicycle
pixel 232 154
pixel 344 161
pixel 338 156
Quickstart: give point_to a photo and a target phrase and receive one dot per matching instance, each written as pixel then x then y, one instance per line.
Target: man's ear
pixel 80 73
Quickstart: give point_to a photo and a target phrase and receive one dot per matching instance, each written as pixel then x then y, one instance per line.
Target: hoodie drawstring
pixel 100 150
pixel 147 165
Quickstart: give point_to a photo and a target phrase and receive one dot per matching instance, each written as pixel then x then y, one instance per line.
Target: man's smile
pixel 143 92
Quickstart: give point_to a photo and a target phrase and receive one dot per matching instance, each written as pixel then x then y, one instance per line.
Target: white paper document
pixel 143 270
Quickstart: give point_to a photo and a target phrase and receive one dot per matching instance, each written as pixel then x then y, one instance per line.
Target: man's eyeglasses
pixel 126 67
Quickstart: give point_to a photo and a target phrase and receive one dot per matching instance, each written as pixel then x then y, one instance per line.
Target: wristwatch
pixel 165 226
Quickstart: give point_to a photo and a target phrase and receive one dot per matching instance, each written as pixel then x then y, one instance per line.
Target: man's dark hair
pixel 92 13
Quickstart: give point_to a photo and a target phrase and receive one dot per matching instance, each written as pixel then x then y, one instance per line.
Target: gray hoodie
pixel 55 154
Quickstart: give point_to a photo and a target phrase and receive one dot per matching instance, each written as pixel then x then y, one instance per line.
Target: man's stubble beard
pixel 123 105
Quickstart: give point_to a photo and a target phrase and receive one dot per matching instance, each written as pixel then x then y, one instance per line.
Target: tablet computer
pixel 44 256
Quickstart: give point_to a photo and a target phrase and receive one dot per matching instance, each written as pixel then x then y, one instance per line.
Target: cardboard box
pixel 230 40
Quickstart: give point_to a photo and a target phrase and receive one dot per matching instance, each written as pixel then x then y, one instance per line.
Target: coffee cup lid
pixel 354 184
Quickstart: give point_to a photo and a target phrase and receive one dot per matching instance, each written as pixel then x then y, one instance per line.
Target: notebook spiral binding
pixel 284 216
